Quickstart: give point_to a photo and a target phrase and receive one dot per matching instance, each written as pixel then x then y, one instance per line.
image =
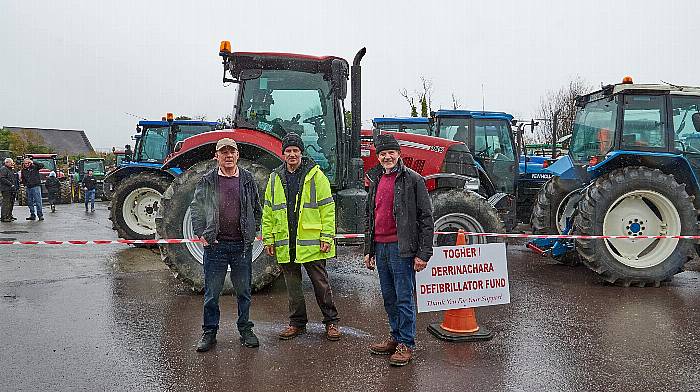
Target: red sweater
pixel 384 222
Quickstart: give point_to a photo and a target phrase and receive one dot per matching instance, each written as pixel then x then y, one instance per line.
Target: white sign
pixel 464 276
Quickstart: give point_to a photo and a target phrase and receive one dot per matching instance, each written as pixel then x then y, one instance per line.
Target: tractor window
pixel 185 131
pixel 97 167
pixel 685 109
pixel 416 129
pixel 282 101
pixel 456 129
pixel 49 163
pixel 154 144
pixel 492 140
pixel 593 130
pixel 643 125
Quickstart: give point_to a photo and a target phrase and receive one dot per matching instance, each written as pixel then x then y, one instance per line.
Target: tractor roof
pixel 149 123
pixel 401 120
pixel 613 89
pixel 41 155
pixel 474 114
pixel 92 159
pixel 292 61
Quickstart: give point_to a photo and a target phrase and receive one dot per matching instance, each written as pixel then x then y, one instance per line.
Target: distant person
pixel 53 187
pixel 7 190
pixel 31 179
pixel 226 215
pixel 89 187
pixel 399 242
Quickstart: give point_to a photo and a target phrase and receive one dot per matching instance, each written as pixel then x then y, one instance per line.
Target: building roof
pixel 60 141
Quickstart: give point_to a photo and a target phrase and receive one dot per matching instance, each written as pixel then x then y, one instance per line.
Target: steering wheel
pixel 316 121
pixel 483 153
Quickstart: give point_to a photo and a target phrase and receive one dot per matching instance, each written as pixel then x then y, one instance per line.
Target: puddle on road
pixel 137 260
pixel 13 232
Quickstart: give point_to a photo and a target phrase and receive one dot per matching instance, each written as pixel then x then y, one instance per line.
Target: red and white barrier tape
pixel 350 236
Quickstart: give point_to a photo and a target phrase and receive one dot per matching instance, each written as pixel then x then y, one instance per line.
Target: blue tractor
pixel 136 185
pixel 632 170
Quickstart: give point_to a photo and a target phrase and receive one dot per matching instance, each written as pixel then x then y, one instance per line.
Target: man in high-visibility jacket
pixel 298 228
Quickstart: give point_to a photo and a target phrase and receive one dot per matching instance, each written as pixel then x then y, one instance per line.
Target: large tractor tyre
pixel 22 195
pixel 458 209
pixel 636 201
pixel 556 202
pixel 174 221
pixel 135 203
pixel 65 196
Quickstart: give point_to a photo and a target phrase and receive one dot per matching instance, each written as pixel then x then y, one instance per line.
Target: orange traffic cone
pixel 460 325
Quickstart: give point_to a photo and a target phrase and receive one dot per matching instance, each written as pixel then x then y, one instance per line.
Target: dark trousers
pixel 322 289
pixel 218 258
pixel 8 201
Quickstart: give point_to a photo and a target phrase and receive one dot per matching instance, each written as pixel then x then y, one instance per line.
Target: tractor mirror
pixel 250 74
pixel 339 69
pixel 696 121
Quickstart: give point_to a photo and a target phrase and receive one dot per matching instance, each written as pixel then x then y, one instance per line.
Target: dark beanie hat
pixel 292 139
pixel 386 141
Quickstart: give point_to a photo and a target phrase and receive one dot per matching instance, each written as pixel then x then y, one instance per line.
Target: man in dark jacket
pixel 89 188
pixel 31 179
pixel 226 215
pixel 53 187
pixel 399 241
pixel 7 190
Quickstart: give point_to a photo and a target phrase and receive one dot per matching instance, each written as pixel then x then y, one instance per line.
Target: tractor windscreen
pixel 283 101
pixel 686 123
pixel 97 167
pixel 594 128
pixel 416 129
pixel 456 129
pixel 154 144
pixel 48 163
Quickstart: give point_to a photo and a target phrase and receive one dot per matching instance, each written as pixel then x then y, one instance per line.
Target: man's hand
pixel 325 247
pixel 419 264
pixel 201 239
pixel 270 250
pixel 369 262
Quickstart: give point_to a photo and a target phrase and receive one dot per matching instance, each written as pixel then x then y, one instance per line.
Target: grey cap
pixel 226 142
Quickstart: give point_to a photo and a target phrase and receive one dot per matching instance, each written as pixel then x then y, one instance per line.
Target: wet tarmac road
pixel 110 317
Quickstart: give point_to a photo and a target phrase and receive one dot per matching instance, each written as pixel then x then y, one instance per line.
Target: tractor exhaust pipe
pixel 356 96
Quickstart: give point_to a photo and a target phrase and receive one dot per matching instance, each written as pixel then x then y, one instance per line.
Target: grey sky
pixel 83 64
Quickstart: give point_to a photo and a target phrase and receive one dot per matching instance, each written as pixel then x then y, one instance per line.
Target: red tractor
pixel 280 93
pixel 49 162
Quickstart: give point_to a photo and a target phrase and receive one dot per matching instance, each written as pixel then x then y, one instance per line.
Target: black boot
pixel 207 341
pixel 249 339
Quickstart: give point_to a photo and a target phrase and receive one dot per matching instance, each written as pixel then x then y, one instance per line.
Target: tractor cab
pixel 489 136
pixel 155 140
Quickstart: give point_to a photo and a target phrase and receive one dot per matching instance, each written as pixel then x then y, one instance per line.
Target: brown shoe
pixel 402 356
pixel 332 332
pixel 291 332
pixel 386 347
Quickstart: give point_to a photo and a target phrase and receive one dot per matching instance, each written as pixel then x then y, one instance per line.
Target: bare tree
pixel 455 102
pixel 410 101
pixel 423 96
pixel 562 101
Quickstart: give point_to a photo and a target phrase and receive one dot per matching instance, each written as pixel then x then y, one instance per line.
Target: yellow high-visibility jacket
pixel 316 214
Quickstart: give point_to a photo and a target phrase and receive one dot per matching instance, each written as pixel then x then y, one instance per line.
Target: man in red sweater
pixel 399 242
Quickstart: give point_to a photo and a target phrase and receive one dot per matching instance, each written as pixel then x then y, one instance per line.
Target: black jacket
pixel 31 176
pixel 89 182
pixel 7 179
pixel 53 185
pixel 413 212
pixel 205 207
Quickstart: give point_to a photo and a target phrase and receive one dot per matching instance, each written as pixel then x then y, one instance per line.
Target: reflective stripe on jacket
pixel 316 217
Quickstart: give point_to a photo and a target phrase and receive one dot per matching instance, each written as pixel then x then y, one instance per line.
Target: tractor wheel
pixel 65 196
pixel 457 209
pixel 22 195
pixel 556 202
pixel 636 201
pixel 135 202
pixel 174 221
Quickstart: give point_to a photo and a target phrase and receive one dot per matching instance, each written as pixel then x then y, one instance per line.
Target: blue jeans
pixel 34 199
pixel 90 197
pixel 397 280
pixel 217 258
